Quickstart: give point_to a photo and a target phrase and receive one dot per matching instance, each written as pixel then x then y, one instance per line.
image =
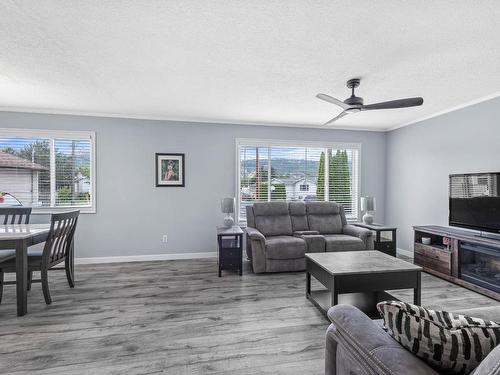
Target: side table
pixel 230 249
pixel 385 237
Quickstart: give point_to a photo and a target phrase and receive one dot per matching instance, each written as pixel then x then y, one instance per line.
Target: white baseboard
pixel 404 252
pixel 145 258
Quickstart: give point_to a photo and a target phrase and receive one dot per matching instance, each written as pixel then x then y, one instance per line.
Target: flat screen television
pixel 475 201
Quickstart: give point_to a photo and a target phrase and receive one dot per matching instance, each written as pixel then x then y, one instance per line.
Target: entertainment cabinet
pixel 460 256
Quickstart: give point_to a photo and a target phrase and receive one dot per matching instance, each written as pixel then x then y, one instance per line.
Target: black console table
pixel 230 249
pixel 385 237
pixel 460 256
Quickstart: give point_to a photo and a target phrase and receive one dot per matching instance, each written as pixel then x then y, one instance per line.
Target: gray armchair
pixel 357 345
pixel 280 233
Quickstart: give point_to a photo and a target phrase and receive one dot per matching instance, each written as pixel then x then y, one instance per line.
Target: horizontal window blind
pixel 343 173
pixel 294 173
pixel 44 171
pixel 472 186
pixel 298 173
pixel 253 177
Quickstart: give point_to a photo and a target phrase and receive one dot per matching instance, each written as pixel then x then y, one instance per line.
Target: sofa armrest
pixel 254 234
pixel 369 346
pixel 364 234
pixel 257 248
pixel 490 365
pixel 315 243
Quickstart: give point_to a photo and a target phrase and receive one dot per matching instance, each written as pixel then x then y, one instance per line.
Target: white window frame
pixel 60 134
pixel 255 142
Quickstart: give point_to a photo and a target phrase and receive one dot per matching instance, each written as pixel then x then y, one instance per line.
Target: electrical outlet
pixel 165 238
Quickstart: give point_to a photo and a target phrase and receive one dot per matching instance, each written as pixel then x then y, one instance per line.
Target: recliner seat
pixel 280 233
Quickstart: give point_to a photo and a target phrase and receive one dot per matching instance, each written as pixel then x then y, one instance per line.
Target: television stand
pixel 461 257
pixel 492 236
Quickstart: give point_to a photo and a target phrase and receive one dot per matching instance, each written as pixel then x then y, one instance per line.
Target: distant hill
pixel 283 167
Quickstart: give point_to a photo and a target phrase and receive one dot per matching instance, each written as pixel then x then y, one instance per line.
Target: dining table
pixel 20 237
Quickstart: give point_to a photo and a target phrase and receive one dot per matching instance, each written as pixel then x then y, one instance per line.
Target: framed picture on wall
pixel 170 170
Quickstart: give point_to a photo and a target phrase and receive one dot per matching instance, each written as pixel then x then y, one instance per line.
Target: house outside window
pixel 269 170
pixel 47 170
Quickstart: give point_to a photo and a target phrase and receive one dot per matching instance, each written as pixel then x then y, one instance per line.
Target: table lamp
pixel 368 206
pixel 227 207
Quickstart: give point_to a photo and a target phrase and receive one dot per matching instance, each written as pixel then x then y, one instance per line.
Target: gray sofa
pixel 280 233
pixel 357 345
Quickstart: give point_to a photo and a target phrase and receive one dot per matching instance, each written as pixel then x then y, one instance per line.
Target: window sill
pixel 52 210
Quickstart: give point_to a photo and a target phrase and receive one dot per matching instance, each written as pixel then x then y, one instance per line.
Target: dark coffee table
pixel 359 278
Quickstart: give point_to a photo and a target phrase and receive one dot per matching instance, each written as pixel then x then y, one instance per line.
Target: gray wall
pixel 132 214
pixel 421 156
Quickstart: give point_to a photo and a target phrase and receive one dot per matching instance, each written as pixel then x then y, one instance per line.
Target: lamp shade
pixel 227 205
pixel 368 204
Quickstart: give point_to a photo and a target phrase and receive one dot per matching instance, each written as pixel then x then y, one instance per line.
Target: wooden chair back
pixel 15 215
pixel 60 237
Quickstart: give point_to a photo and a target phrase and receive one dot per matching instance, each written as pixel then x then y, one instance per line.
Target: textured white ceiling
pixel 252 61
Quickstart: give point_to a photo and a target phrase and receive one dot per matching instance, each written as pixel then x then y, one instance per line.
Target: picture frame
pixel 170 170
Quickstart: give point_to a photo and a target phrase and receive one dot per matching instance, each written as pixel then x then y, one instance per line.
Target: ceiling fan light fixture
pixel 355 103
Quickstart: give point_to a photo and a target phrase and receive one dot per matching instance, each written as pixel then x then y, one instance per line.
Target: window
pixel 47 169
pixel 291 171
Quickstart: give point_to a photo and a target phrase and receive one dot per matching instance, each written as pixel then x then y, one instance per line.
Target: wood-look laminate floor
pixel 177 317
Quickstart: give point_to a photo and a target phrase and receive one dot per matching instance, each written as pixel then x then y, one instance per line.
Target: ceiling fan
pixel 355 104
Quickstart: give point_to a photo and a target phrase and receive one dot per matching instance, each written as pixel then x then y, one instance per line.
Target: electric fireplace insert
pixel 480 265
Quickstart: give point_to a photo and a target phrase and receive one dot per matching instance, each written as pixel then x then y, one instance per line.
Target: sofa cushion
pixel 325 224
pixel 322 208
pixel 451 343
pixel 343 242
pixel 299 233
pixel 298 216
pixel 285 247
pixel 270 208
pixel 272 218
pixel 297 208
pixel 324 217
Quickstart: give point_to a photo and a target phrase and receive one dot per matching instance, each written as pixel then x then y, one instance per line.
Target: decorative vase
pixel 368 218
pixel 368 206
pixel 228 221
pixel 227 207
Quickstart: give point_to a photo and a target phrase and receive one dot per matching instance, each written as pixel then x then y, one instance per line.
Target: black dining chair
pixel 58 248
pixel 12 215
pixel 15 215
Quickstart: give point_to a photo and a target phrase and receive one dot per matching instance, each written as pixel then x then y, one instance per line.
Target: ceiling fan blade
pixel 400 103
pixel 342 114
pixel 330 99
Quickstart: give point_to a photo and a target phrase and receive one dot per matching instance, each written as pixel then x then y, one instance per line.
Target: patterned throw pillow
pixel 451 343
